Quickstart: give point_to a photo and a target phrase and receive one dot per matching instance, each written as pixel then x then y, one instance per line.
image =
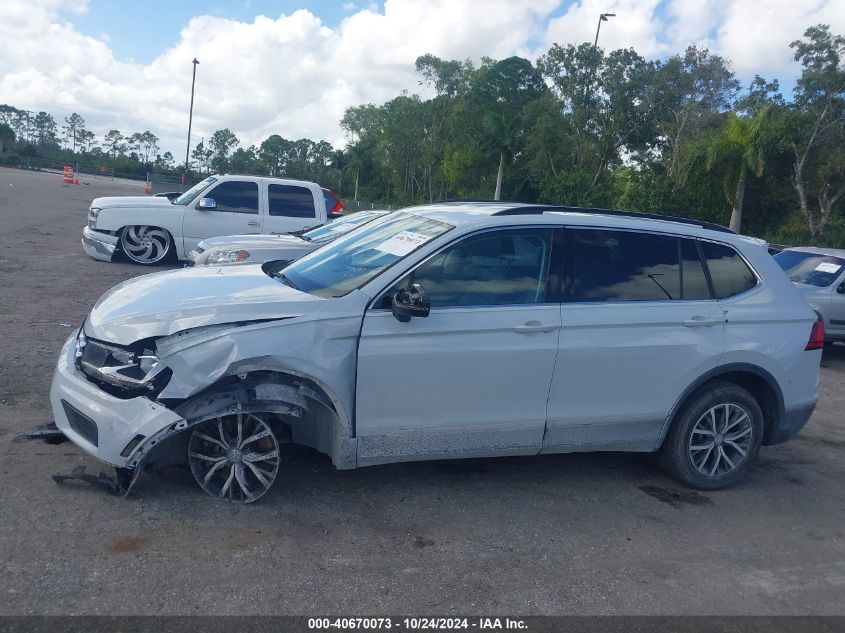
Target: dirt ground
pixel 565 534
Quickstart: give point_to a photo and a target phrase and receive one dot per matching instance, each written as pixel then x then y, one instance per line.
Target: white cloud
pixel 294 76
pixel 635 24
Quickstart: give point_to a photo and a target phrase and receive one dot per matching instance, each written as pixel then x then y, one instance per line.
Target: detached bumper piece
pixel 98 245
pixel 48 433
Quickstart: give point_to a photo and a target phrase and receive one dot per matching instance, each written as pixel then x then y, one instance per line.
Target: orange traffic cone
pixel 76 179
pixel 147 188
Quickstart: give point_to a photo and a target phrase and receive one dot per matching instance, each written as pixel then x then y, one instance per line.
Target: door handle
pixel 700 321
pixel 534 326
pixel 252 223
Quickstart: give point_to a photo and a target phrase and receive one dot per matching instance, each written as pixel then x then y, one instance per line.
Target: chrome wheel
pixel 145 244
pixel 234 457
pixel 721 440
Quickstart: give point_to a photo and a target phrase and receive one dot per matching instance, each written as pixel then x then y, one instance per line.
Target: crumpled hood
pixel 164 303
pixel 131 201
pixel 235 242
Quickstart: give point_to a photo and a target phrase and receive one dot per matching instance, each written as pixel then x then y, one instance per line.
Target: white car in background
pixel 149 229
pixel 256 249
pixel 819 273
pixel 452 330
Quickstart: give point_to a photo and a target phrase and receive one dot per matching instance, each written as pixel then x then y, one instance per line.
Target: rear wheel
pixel 234 457
pixel 145 245
pixel 715 438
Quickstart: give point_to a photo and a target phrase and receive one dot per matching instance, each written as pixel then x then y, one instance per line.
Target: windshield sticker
pixel 827 267
pixel 402 243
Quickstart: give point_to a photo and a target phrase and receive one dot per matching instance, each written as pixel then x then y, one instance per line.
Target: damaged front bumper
pixel 113 430
pixel 98 245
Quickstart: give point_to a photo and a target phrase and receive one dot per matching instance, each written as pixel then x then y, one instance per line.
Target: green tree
pixel 114 143
pixel 696 88
pixel 74 128
pixel 734 151
pixel 274 152
pixel 7 137
pixel 87 140
pixel 501 92
pixel 222 143
pixel 816 131
pixel 246 161
pixel 202 157
pixel 45 130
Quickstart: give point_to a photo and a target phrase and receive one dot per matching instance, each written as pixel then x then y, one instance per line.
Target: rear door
pixel 639 325
pixel 235 213
pixel 292 207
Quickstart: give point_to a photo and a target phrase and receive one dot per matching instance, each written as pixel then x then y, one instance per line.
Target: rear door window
pixel 614 266
pixel 291 201
pixel 728 270
pixel 624 266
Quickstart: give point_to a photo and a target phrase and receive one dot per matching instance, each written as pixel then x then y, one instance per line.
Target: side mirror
pixel 409 303
pixel 207 203
pixel 841 288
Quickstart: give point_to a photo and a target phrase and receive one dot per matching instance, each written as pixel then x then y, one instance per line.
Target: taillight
pixel 337 209
pixel 816 336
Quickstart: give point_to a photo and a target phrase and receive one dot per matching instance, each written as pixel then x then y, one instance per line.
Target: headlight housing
pixel 122 371
pixel 93 212
pixel 227 257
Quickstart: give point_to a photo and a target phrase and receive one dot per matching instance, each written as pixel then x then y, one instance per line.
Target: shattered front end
pixel 119 431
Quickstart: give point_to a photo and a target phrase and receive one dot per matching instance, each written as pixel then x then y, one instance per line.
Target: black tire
pixel 715 401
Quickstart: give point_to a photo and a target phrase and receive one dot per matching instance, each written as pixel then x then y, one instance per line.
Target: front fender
pixel 321 350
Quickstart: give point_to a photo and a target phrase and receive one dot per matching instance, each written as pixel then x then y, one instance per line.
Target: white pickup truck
pixel 148 229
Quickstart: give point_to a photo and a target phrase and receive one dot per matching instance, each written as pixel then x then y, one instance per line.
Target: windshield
pixel 341 226
pixel 194 191
pixel 352 260
pixel 810 268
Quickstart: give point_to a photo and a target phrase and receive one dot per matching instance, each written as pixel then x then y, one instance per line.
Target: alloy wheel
pixel 721 440
pixel 234 457
pixel 145 244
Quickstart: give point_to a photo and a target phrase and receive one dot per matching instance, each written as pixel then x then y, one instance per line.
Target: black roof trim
pixel 539 209
pixel 533 208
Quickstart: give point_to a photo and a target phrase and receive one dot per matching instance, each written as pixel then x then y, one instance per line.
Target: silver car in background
pixel 819 273
pixel 256 249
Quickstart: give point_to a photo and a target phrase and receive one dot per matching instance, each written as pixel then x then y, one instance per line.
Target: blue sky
pixel 140 31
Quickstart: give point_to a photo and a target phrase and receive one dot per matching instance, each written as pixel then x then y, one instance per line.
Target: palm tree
pixel 733 151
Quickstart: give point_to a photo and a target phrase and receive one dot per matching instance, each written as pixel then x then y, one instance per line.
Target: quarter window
pixel 495 268
pixel 236 196
pixel 291 201
pixel 729 272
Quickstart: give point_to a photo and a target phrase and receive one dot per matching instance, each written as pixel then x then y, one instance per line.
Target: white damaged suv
pixel 448 331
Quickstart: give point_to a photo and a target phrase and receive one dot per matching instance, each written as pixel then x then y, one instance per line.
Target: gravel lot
pixel 568 534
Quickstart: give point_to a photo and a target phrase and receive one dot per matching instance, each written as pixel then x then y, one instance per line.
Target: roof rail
pixel 532 209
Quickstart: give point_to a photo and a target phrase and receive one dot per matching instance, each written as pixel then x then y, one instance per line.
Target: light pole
pixel 602 18
pixel 190 120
